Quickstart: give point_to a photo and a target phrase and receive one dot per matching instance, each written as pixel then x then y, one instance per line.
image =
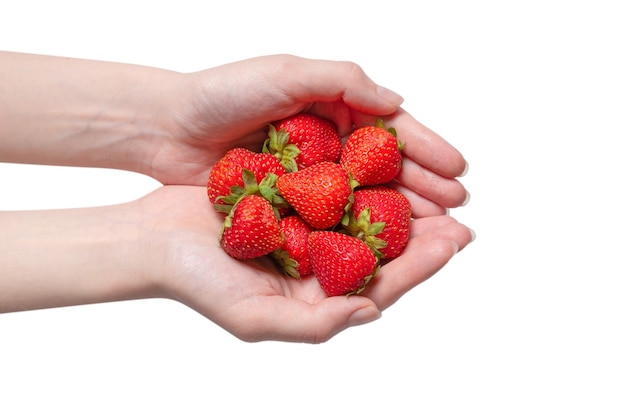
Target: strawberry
pixel 229 172
pixel 372 155
pixel 342 264
pixel 302 140
pixel 251 229
pixel 293 255
pixel 320 193
pixel 381 217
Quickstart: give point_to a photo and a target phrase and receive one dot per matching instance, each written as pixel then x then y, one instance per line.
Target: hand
pixel 174 127
pixel 228 106
pixel 251 299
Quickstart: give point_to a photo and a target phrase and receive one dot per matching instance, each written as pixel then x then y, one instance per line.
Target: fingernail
pixel 390 96
pixel 467 198
pixel 465 170
pixel 473 233
pixel 364 315
pixel 456 246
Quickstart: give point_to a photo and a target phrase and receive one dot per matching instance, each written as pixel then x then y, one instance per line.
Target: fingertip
pixel 468 236
pixel 472 235
pixel 465 169
pixel 389 96
pixel 467 198
pixel 455 247
pixel 337 313
pixel 364 315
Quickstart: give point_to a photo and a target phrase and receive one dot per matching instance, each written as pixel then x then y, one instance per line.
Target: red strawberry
pixel 381 217
pixel 251 229
pixel 320 193
pixel 302 140
pixel 229 170
pixel 342 264
pixel 293 255
pixel 372 154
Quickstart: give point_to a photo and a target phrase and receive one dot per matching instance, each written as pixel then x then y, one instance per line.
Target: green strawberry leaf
pixel 277 144
pixel 237 192
pixel 362 228
pixel 367 280
pixel 287 264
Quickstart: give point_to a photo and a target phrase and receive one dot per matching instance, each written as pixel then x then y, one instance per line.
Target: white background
pixel 529 320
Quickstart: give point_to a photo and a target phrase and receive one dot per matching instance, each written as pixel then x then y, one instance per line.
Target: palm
pixel 200 142
pixel 201 275
pixel 252 299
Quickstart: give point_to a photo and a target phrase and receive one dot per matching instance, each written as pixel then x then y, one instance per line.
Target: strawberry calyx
pixel 277 144
pixel 362 228
pixel 346 210
pixel 289 266
pixel 266 188
pixel 366 280
pixel 381 124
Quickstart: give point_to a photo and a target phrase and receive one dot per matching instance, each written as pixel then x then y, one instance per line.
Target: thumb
pixel 295 320
pixel 325 81
pixel 335 314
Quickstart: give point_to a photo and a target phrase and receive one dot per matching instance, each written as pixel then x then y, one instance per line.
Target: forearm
pixel 70 257
pixel 65 111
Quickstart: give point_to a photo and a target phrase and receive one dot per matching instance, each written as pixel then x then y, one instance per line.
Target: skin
pixel 174 127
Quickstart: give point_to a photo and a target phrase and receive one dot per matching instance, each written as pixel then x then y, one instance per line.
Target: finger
pixel 404 273
pixel 441 227
pixel 330 81
pixel 420 206
pixel 293 320
pixel 425 147
pixel 446 192
pixel 424 255
pixel 337 112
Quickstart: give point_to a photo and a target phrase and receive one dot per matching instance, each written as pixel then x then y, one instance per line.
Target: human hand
pixel 174 127
pixel 252 299
pixel 230 106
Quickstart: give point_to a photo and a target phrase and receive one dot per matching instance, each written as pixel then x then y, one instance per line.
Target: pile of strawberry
pixel 315 205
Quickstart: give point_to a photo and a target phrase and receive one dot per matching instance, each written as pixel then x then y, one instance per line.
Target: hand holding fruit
pixel 213 111
pixel 252 299
pixel 175 127
pixel 344 218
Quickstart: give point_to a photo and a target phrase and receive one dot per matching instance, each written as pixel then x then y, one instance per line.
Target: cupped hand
pixel 212 111
pixel 252 299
